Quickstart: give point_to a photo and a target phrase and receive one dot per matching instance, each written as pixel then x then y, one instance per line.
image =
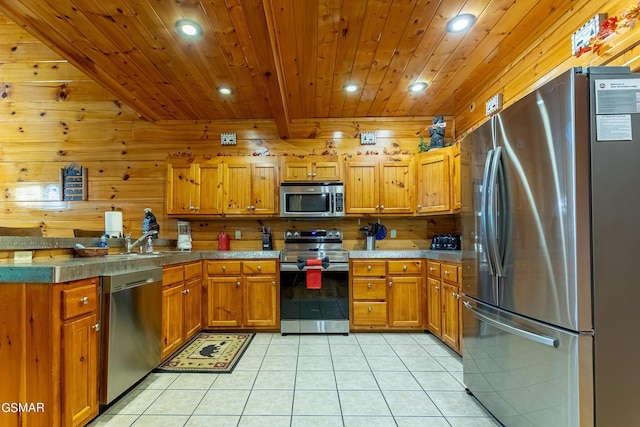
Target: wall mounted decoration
pixel 73 181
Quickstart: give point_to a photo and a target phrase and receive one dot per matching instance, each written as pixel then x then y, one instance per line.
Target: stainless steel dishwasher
pixel 131 313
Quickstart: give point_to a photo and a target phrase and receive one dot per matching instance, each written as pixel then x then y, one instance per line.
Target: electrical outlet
pixel 228 138
pixel 494 104
pixel 238 235
pixel 22 256
pixel 393 233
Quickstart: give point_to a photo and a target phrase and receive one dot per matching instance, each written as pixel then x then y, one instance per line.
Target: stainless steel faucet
pixel 127 240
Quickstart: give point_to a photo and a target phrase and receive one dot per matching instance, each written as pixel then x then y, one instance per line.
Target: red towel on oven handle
pixel 314 274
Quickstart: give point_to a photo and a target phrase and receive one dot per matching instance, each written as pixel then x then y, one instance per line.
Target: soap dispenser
pixel 149 245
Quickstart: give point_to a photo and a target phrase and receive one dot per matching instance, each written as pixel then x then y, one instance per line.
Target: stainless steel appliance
pixel 131 313
pixel 308 311
pixel 312 199
pixel 550 229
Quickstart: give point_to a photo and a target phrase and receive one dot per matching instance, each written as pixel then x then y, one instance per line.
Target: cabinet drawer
pixel 433 269
pixel 369 268
pixel 172 274
pixel 80 300
pixel 369 288
pixel 405 267
pixel 369 313
pixel 192 270
pixel 224 267
pixel 450 273
pixel 259 267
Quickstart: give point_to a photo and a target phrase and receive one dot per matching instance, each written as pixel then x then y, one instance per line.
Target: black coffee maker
pixel 267 241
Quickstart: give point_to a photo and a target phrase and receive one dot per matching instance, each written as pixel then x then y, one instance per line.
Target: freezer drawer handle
pixel 542 339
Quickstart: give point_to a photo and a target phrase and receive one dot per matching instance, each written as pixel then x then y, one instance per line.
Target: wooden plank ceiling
pixel 285 59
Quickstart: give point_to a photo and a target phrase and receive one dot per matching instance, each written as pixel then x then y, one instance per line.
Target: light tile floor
pixel 364 379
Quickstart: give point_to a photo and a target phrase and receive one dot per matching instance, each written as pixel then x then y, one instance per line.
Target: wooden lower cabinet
pixel 181 305
pixel 49 353
pixel 387 294
pixel 444 303
pixel 243 294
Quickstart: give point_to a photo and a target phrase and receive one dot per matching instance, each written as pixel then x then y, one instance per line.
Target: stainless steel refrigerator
pixel 551 230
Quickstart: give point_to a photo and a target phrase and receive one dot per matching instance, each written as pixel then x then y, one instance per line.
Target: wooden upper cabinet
pixel 380 187
pixel 434 181
pixel 194 188
pixel 250 188
pixel 296 169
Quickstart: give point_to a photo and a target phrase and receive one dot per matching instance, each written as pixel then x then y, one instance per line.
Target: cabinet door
pixel 296 171
pixel 224 301
pixel 192 307
pixel 326 171
pixel 172 318
pixel 237 189
pixel 434 307
pixel 264 188
pixel 361 188
pixel 209 188
pixel 405 301
pixel 434 182
pixel 260 301
pixel 180 187
pixel 80 370
pixel 451 314
pixel 456 194
pixel 397 188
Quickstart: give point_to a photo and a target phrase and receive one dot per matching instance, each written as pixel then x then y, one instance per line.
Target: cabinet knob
pixel 432 269
pixel 237 284
pixel 96 327
pixel 390 283
pixel 404 267
pixel 446 272
pixel 368 267
pixel 370 309
pixel 309 174
pixel 273 283
pixel 419 206
pixel 369 285
pixel 313 174
pixel 259 268
pixel 224 268
pixel 377 206
pixel 437 287
pixel 252 207
pixel 381 207
pixel 84 300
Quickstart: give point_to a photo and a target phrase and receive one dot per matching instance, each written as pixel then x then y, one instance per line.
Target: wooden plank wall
pixel 52 115
pixel 517 73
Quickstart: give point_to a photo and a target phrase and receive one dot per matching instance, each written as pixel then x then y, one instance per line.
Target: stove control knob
pixel 288 234
pixel 337 234
pixel 296 234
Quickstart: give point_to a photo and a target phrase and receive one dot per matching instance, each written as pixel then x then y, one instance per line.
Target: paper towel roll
pixel 113 224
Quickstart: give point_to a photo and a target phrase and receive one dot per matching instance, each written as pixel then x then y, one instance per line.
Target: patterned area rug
pixel 213 352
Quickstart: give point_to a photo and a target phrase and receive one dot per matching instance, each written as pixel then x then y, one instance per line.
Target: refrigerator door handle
pixel 487 318
pixel 492 212
pixel 484 222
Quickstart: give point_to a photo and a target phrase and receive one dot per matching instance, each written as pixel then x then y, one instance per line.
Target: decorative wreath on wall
pixel 610 25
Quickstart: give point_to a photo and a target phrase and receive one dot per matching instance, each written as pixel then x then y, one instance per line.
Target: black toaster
pixel 447 242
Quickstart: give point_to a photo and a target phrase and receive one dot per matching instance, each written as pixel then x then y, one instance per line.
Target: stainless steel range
pixel 314 308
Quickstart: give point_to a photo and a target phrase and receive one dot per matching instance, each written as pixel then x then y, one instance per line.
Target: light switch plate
pixel 393 233
pixel 238 234
pixel 367 138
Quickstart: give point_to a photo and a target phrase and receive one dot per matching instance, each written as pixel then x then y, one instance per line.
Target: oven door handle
pixel 332 267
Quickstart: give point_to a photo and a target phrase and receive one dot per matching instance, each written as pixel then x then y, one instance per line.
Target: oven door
pixel 307 310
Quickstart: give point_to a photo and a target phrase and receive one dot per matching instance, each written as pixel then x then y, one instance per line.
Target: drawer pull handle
pixel 84 300
pixel 96 327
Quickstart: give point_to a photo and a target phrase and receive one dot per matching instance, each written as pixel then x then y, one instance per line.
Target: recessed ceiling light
pixel 417 87
pixel 189 28
pixel 351 87
pixel 224 90
pixel 460 23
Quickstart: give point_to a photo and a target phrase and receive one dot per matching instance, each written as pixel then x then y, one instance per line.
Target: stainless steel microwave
pixel 311 199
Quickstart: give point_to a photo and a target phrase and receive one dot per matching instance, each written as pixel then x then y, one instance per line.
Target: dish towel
pixel 314 274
